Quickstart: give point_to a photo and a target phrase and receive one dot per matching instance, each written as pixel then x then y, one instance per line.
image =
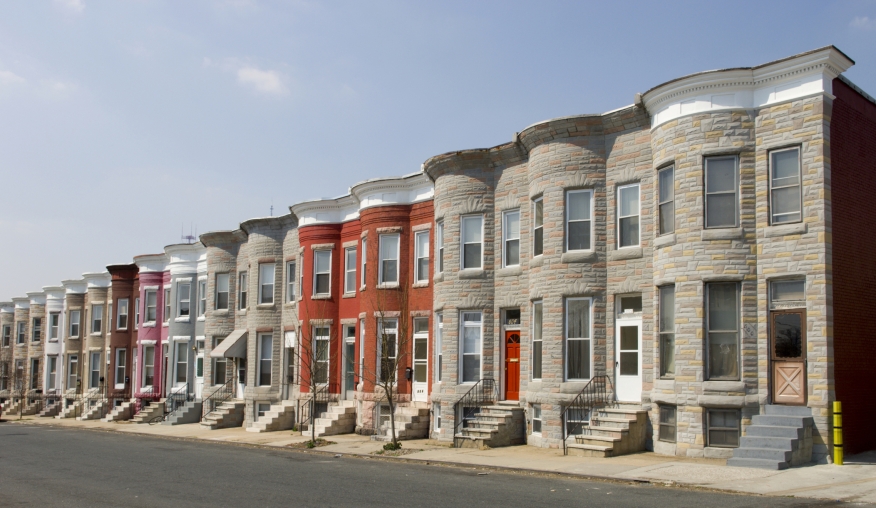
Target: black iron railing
pixel 177 398
pixel 216 398
pixel 483 393
pixel 143 398
pixel 579 414
pixel 310 408
pixel 93 401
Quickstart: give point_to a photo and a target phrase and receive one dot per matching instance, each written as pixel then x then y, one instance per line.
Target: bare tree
pixel 19 386
pixel 312 354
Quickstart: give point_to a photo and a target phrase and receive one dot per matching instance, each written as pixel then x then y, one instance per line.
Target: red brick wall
pixel 853 178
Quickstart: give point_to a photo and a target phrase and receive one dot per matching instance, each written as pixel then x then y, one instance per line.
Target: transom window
pixel 389 254
pixel 721 187
pixel 472 241
pixel 511 240
pixel 785 190
pixel 579 205
pixel 628 216
pixel 666 199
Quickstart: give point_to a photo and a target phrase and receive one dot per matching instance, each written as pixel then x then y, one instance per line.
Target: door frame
pixel 414 383
pixel 803 353
pixel 505 360
pixel 621 321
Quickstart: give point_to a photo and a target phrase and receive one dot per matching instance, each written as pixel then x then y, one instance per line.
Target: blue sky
pixel 120 121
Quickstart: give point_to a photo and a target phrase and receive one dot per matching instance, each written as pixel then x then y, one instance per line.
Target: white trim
pixel 181 337
pixel 462 353
pixel 506 239
pixel 566 337
pixel 380 260
pixel 462 243
pixel 618 217
pixel 589 218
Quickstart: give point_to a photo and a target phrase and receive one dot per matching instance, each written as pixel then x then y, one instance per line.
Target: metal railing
pixel 216 398
pixel 597 393
pixel 177 398
pixel 143 399
pixel 93 401
pixel 483 393
pixel 309 408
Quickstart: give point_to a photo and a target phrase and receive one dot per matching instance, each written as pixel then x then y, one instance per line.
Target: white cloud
pixel 863 23
pixel 10 78
pixel 267 82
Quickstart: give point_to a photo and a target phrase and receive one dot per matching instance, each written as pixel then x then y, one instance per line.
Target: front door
pixel 199 374
pixel 350 370
pixel 135 381
pixel 420 384
pixel 290 373
pixel 512 365
pixel 788 357
pixel 241 377
pixel 628 364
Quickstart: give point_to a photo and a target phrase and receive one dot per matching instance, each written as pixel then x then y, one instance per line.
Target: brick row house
pixel 682 275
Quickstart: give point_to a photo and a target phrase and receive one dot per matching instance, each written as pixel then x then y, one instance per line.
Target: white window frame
pixel 54 326
pixel 537 336
pixel 480 354
pixel 123 311
pixel 181 367
pixel 267 281
pixel 316 348
pixel 51 373
pixel 799 184
pixel 7 335
pixel 364 260
pixel 386 326
pixel 183 305
pixel 36 328
pixel 567 339
pixel 706 193
pixel 75 320
pixel 262 360
pixel 34 373
pixel 384 254
pixel 136 313
pixel 168 306
pixel 242 289
pixel 638 215
pixel 508 237
pixel 291 279
pixel 94 370
pixel 20 332
pixel 709 376
pixel 220 277
pixel 121 367
pixel 216 361
pixel 147 358
pixel 421 335
pixel 202 297
pixel 439 339
pixel 350 262
pixel 669 202
pixel 421 254
pixel 589 219
pixel 462 243
pixel 72 371
pixel 154 306
pixel 439 246
pixel 537 417
pixel 328 273
pixel 96 319
pixel 536 227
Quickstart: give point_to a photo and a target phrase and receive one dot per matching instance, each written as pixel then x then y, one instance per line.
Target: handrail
pixel 178 396
pixel 219 396
pixel 595 394
pixel 321 394
pixel 483 393
pixel 145 395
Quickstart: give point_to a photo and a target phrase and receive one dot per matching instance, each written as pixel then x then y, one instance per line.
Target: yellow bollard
pixel 837 433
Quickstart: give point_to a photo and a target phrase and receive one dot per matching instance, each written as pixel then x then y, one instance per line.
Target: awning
pixel 234 346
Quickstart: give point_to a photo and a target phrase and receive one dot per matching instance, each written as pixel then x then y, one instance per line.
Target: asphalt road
pixel 42 466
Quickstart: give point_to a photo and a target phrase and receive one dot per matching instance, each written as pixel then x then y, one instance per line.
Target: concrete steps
pixel 70 410
pixel 31 408
pixel 612 431
pixel 122 412
pixel 339 419
pixel 51 410
pixel 190 412
pixel 228 414
pixel 96 411
pixel 12 407
pixel 147 413
pixel 411 422
pixel 778 439
pixel 280 417
pixel 501 424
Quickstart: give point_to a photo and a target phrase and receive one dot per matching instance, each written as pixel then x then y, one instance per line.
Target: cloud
pixel 267 82
pixel 10 78
pixel 76 6
pixel 863 23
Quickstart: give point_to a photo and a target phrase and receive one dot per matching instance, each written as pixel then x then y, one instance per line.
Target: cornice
pixel 97 279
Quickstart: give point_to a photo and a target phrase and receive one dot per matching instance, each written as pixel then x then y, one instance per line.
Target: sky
pixel 124 122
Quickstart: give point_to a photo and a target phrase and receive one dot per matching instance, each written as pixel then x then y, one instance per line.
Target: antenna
pixel 188 238
pixel 272 207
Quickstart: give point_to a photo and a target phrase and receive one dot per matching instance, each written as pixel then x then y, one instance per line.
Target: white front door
pixel 199 375
pixel 420 384
pixel 135 381
pixel 241 377
pixel 628 362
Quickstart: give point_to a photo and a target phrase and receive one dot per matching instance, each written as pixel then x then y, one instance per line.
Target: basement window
pixel 536 419
pixel 722 428
pixel 261 409
pixel 667 424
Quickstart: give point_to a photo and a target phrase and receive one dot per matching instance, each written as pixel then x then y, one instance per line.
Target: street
pixel 45 466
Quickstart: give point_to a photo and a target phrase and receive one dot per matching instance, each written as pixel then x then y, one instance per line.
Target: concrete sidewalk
pixel 853 482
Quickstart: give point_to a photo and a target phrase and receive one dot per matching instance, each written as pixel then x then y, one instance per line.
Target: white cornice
pixel 97 279
pixel 21 302
pixel 37 297
pixel 184 258
pixel 151 263
pixel 74 286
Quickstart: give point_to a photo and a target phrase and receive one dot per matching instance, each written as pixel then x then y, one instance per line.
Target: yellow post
pixel 837 433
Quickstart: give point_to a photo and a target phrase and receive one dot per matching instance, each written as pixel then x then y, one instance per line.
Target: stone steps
pixel 190 412
pixel 51 410
pixel 228 414
pixel 501 424
pixel 280 417
pixel 611 431
pixel 149 412
pixel 778 439
pixel 339 419
pixel 122 412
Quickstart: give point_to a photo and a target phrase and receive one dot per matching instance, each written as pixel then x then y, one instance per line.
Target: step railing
pixel 115 399
pixel 220 395
pixel 310 408
pixel 177 398
pixel 597 393
pixel 92 400
pixel 143 398
pixel 483 393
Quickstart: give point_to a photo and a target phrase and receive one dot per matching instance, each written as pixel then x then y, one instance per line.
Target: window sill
pixel 509 271
pixel 421 284
pixel 349 295
pixel 722 234
pixel 219 312
pixel 536 261
pixel 182 319
pixel 724 386
pixel 165 324
pixel 721 401
pixel 573 386
pixel 664 240
pixel 321 297
pixel 71 338
pixel 387 285
pixel 202 318
pixel 439 277
pixel 625 253
pixel 290 304
pixel 471 273
pixel 98 334
pixel 800 228
pixel 578 257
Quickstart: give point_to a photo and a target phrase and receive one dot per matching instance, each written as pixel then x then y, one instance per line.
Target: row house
pixel 72 352
pixel 53 352
pixel 7 324
pixel 151 362
pixel 122 348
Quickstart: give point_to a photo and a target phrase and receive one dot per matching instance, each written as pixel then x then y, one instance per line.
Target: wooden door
pixel 512 365
pixel 788 357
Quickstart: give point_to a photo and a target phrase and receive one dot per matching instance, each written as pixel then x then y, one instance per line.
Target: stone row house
pixel 686 275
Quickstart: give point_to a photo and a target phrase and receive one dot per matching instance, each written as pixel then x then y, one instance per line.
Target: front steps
pixel 96 411
pixel 149 412
pixel 120 413
pixel 339 419
pixel 70 410
pixel 411 422
pixel 502 424
pixel 227 414
pixel 190 412
pixel 280 417
pixel 612 431
pixel 30 409
pixel 51 410
pixel 12 407
pixel 778 439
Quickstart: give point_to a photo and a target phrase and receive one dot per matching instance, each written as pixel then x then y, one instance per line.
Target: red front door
pixel 512 365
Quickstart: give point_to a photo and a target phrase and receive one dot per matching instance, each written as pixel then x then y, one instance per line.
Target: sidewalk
pixel 853 482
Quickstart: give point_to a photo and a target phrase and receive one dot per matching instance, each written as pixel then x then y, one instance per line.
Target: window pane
pixel 539 213
pixel 722 307
pixel 423 244
pixel 788 336
pixel 579 235
pixel 793 290
pixel 721 175
pixel 471 340
pixel 721 210
pixel 323 261
pixel 471 229
pixel 322 283
pixel 579 359
pixel 667 353
pixel 629 201
pixel 471 367
pixel 512 252
pixel 631 303
pixel 722 355
pixel 667 218
pixel 629 339
pixel 538 242
pixel 579 206
pixel 666 184
pixel 472 255
pixel 221 283
pixel 629 231
pixel 390 271
pixel 629 363
pixel 536 360
pixel 389 247
pixel 512 225
pixel 422 269
pixel 786 201
pixel 785 166
pixel 578 318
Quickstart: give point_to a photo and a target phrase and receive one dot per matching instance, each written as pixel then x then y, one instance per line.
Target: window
pixel 722 321
pixel 322 272
pixel 34 374
pixel 538 227
pixel 721 185
pixel 94 377
pixel 350 270
pixel 96 318
pixel 439 338
pixel 151 306
pixel 122 322
pixel 261 409
pixel 436 414
pixel 511 238
pixel 219 365
pixel 37 329
pixel 421 350
pixel 578 338
pixel 7 335
pixel 537 310
pixel 242 290
pixel 628 216
pixel 722 428
pixel 667 424
pixel 184 299
pixel 439 245
pixel 472 241
pixel 321 341
pixel 388 267
pixel 222 280
pixel 579 206
pixel 121 360
pixel 54 325
pixel 472 332
pixel 182 362
pixel 787 291
pixel 136 313
pixel 52 374
pixel 290 282
pixel 666 199
pixel 387 336
pixel 421 254
pixel 667 330
pixel 266 351
pixel 785 189
pixel 202 297
pixel 20 333
pixel 148 365
pixel 109 317
pixel 364 259
pixel 74 323
pixel 167 306
pixel 72 371
pixel 266 283
pixel 536 418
